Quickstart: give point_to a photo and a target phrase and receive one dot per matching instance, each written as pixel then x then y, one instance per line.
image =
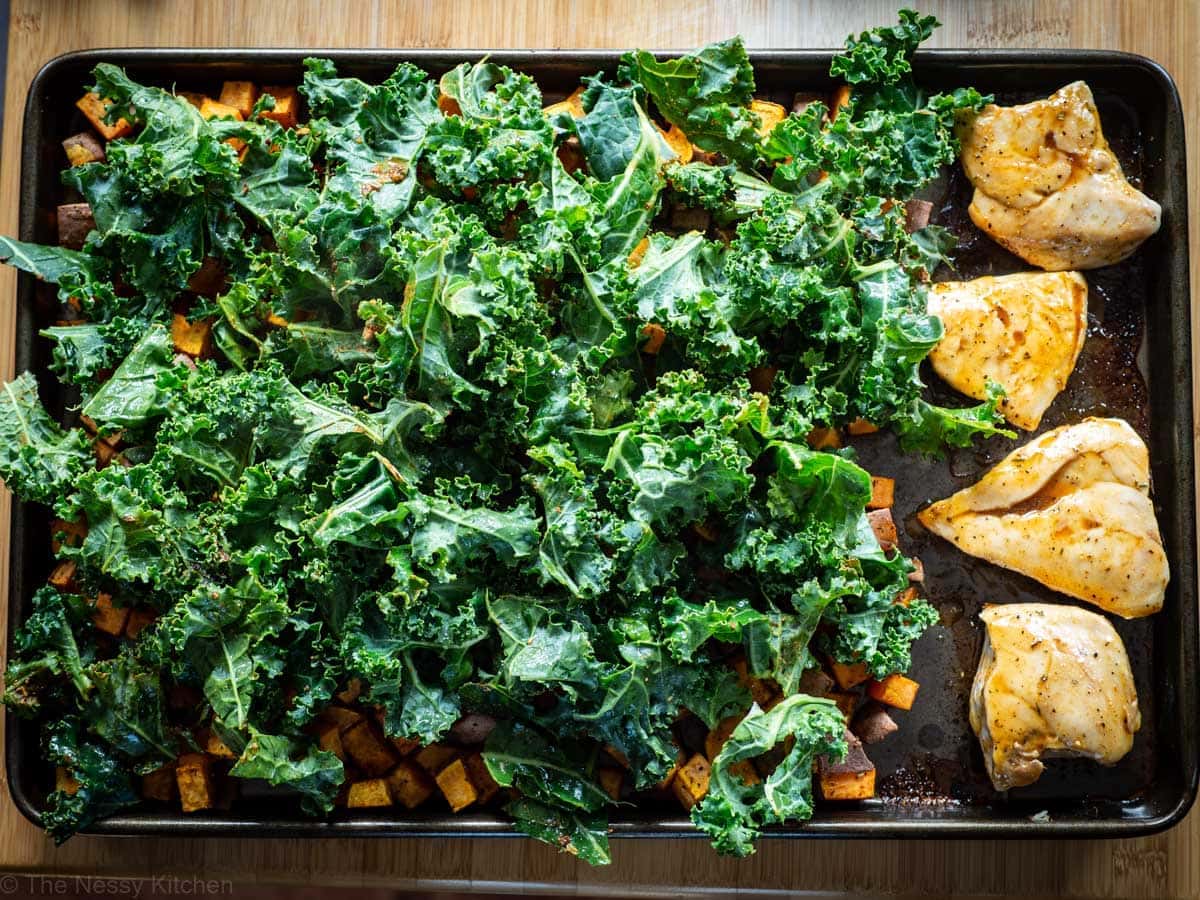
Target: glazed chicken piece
pixel 1052 680
pixel 1071 509
pixel 1047 186
pixel 1022 331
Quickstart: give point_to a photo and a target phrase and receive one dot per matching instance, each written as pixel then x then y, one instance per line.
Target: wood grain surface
pixel 1161 866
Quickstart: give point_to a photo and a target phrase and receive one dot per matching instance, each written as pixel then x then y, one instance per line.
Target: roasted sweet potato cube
pixel 63 576
pixel 611 780
pixel 846 702
pixel 194 778
pixel 75 223
pixel 803 99
pixel 196 100
pixel 160 784
pixel 719 735
pixel 906 596
pixel 848 785
pixel 638 253
pixel 368 750
pixel 106 617
pixel 83 148
pixel 744 769
pixel 570 154
pixel 679 143
pixel 840 100
pixel 762 378
pixel 884 527
pixel 140 618
pixel 691 781
pixel 477 770
pixel 369 794
pixel 917 214
pixel 447 104
pixel 342 717
pixel 287 106
pixel 825 439
pixel 769 115
pixel 240 95
pixel 618 756
pixel 211 109
pixel 64 781
pixel 872 724
pixel 895 690
pixel 688 218
pixel 861 426
pixel 435 757
pixel 215 747
pixel 351 692
pixel 209 279
pixel 410 784
pixel 105 453
pixel 573 105
pixel 472 729
pixel 848 675
pixel 655 337
pixel 883 493
pixel 815 682
pixel 92 106
pixel 762 690
pixel 681 758
pixel 192 338
pixel 456 786
pixel 329 738
pixel 69 533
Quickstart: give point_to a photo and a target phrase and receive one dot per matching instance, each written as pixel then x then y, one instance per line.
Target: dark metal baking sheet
pixel 1136 364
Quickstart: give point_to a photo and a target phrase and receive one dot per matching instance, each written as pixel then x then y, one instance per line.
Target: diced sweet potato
pixel 196 100
pixel 851 779
pixel 83 148
pixel 884 527
pixel 477 770
pixel 611 780
pixel 917 214
pixel 572 105
pixel 329 738
pixel 744 769
pixel 769 115
pixel 895 690
pixel 472 729
pixel 617 755
pixel 861 426
pixel 570 154
pixel 107 617
pixel 689 218
pixel 691 781
pixel 455 786
pixel 762 378
pixel 840 99
pixel 638 253
pixel 69 533
pixel 211 109
pixel 825 439
pixel 194 778
pixel 848 675
pixel 65 782
pixel 341 717
pixel 369 794
pixel 160 784
pixel 872 724
pixel 435 757
pixel 368 750
pixel 906 596
pixel 679 143
pixel 140 618
pixel 75 223
pixel 92 106
pixel 209 279
pixel 883 493
pixel 192 338
pixel 410 784
pixel 655 337
pixel 215 747
pixel 287 106
pixel 762 690
pixel 239 95
pixel 719 735
pixel 447 104
pixel 63 576
pixel 105 453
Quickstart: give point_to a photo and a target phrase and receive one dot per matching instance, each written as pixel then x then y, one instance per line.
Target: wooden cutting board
pixel 1161 866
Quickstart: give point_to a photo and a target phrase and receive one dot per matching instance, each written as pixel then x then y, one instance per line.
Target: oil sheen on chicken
pixel 1052 680
pixel 1072 509
pixel 1022 331
pixel 1047 186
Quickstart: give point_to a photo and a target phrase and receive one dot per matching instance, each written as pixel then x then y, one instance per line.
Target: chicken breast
pixel 1052 680
pixel 1071 509
pixel 1047 186
pixel 1022 331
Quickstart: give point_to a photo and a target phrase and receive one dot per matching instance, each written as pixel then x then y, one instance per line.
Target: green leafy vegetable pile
pixel 428 452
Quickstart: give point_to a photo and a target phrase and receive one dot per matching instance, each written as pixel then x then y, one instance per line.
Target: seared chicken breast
pixel 1022 331
pixel 1047 186
pixel 1072 509
pixel 1052 680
